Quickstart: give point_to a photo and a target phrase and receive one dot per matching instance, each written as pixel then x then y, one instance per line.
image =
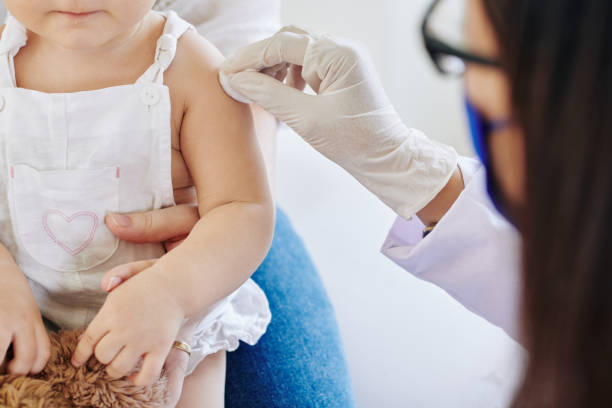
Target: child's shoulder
pixel 195 66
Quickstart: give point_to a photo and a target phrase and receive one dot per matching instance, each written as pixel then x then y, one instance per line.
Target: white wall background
pixel 408 343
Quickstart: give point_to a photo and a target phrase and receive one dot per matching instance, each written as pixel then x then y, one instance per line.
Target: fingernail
pixel 121 220
pixel 113 283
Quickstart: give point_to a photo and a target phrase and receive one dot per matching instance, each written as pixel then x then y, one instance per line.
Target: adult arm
pixel 472 253
pixel 350 120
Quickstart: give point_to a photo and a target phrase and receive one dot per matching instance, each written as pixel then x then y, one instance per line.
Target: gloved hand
pixel 350 120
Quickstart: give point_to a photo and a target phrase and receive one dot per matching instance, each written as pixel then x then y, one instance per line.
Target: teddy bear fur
pixel 61 385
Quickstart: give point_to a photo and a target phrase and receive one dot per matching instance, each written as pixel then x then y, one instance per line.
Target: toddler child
pixel 103 103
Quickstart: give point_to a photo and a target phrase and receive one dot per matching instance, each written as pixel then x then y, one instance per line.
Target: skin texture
pixel 489 89
pixel 109 27
pixel 21 321
pixel 214 149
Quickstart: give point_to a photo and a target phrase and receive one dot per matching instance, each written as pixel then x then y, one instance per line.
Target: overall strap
pixel 14 37
pixel 166 48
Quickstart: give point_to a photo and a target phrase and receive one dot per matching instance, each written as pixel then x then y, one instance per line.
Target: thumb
pixel 154 226
pixel 280 100
pixel 122 273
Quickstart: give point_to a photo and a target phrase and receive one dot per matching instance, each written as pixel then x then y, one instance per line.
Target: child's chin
pixel 78 37
pixel 77 41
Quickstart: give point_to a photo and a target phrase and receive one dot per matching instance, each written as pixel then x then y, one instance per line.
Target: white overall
pixel 70 158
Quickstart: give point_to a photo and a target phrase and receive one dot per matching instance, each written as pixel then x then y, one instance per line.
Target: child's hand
pixel 21 325
pixel 139 319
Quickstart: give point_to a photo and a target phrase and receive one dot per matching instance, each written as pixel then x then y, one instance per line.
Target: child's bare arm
pixel 219 146
pixel 20 320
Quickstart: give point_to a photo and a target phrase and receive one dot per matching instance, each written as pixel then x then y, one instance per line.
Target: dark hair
pixel 558 56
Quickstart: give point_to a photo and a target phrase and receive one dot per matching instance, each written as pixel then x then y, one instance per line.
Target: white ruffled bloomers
pixel 242 316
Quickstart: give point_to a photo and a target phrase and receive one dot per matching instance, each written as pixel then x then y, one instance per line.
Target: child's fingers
pixel 150 371
pixel 87 344
pixel 5 343
pixel 44 350
pixel 124 363
pixel 121 273
pixel 25 349
pixel 107 349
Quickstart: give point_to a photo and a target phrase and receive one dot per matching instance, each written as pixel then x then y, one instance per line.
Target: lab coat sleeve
pixel 473 253
pixel 231 24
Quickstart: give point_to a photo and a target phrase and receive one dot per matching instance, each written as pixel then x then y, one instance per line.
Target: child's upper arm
pixel 217 137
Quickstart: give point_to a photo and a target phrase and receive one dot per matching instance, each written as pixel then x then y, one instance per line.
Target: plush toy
pixel 60 385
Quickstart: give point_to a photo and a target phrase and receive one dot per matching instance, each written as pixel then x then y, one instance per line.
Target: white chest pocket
pixel 58 215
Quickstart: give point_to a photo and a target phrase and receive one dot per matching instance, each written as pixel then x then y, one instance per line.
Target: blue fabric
pixel 300 361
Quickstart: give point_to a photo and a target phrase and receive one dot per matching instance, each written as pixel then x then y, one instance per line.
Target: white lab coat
pixel 473 253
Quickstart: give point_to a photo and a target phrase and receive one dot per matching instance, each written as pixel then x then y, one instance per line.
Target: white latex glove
pixel 350 120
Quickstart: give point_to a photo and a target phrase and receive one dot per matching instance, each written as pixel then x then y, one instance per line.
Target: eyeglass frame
pixel 436 47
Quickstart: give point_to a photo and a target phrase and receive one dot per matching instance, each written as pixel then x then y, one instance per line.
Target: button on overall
pixel 150 95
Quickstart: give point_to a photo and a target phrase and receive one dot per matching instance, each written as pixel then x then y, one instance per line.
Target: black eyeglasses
pixel 448 58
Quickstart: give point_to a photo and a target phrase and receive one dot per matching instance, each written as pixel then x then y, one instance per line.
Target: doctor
pixel 435 194
pixel 539 97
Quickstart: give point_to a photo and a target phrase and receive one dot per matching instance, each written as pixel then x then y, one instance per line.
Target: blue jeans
pixel 300 361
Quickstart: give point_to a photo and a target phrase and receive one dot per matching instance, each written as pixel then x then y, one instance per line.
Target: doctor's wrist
pixel 439 206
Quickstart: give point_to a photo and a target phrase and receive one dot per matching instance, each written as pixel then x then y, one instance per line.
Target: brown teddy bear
pixel 61 385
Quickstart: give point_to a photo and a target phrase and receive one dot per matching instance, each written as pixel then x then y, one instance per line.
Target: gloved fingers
pixel 295 30
pixel 282 47
pixel 278 72
pixel 295 79
pixel 280 100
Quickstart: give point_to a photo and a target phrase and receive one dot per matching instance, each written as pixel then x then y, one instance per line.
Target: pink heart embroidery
pixel 69 219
